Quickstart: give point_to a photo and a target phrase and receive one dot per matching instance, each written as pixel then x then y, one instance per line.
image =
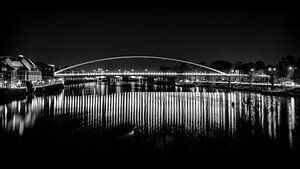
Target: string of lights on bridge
pixel 153 74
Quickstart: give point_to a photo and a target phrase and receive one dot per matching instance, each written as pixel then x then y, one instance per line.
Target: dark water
pixel 94 121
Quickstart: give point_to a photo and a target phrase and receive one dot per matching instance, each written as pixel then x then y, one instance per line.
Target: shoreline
pixel 20 93
pixel 275 91
pixel 12 93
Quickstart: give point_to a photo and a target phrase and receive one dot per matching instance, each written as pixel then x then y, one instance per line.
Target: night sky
pixel 65 34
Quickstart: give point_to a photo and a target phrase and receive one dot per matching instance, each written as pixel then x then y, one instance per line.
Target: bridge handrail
pixel 153 73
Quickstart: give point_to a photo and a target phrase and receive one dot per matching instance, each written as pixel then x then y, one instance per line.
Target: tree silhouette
pixel 221 65
pixel 259 65
pixel 284 64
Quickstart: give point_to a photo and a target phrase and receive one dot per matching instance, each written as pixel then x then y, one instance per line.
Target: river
pixel 150 122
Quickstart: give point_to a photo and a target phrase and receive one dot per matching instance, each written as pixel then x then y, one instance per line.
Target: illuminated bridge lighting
pixel 152 74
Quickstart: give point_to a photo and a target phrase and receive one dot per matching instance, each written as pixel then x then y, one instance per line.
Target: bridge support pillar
pixel 140 80
pixel 111 80
pixel 229 82
pixel 272 80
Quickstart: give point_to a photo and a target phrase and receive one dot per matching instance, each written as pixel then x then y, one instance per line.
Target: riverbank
pixel 267 90
pixel 21 92
pixel 49 88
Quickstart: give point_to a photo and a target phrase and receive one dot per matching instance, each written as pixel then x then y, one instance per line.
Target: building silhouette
pixel 15 71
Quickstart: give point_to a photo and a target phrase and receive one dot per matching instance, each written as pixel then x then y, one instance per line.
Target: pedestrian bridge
pixel 212 71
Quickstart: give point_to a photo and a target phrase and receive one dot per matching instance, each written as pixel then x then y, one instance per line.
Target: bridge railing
pixel 154 74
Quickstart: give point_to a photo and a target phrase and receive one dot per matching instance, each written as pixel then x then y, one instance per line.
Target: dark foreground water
pixel 94 121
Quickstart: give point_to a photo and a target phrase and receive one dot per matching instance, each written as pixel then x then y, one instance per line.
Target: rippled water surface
pixel 150 122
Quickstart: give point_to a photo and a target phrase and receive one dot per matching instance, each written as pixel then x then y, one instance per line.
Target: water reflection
pixel 194 113
pixel 19 115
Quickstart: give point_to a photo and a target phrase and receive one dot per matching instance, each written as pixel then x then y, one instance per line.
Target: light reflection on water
pixel 194 113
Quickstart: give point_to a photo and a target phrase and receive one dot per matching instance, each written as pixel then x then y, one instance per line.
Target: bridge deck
pixel 152 74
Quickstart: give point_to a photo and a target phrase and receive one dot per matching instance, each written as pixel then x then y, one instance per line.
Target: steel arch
pixel 141 57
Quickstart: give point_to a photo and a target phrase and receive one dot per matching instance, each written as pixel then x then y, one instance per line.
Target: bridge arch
pixel 141 57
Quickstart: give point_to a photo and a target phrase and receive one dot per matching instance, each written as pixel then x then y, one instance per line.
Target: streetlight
pixel 251 73
pixel 272 71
